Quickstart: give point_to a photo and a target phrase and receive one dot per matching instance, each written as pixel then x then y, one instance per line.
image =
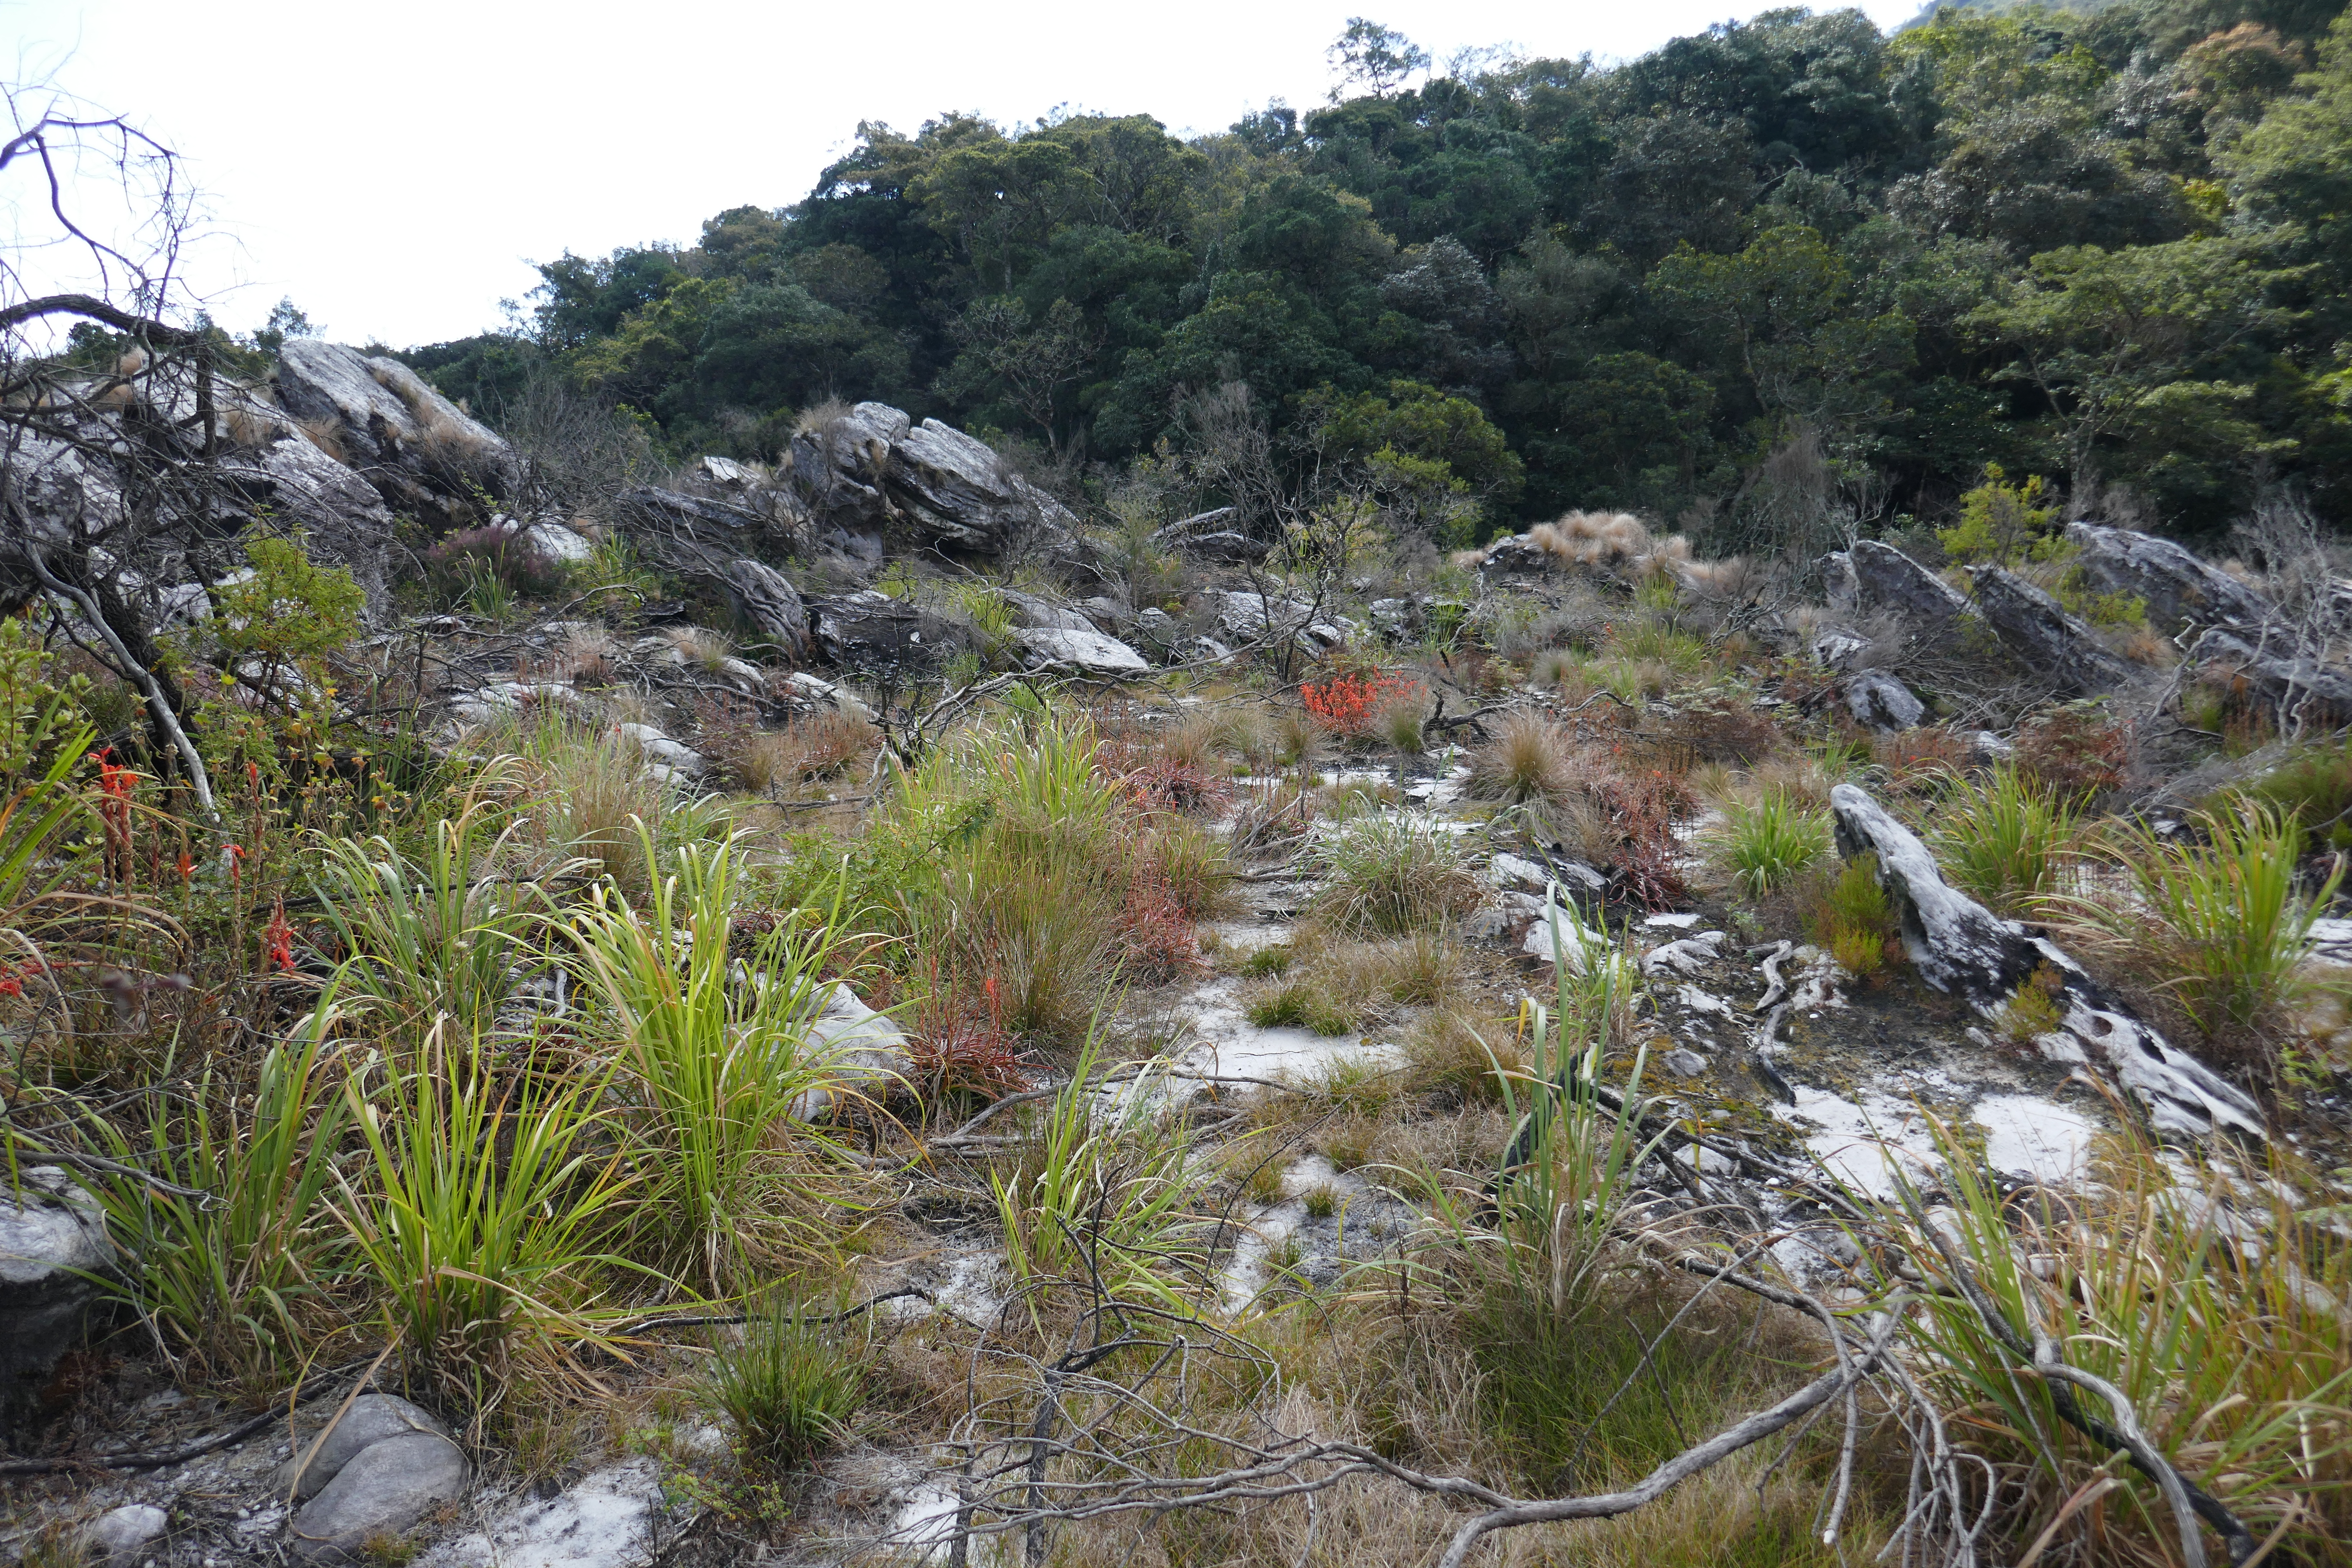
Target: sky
pixel 395 170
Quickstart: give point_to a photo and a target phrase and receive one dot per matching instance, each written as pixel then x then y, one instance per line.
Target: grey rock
pixel 694 535
pixel 825 694
pixel 1685 956
pixel 421 452
pixel 1881 701
pixel 382 1492
pixel 954 488
pixel 1491 923
pixel 616 1517
pixel 1516 871
pixel 116 1538
pixel 1684 1062
pixel 841 468
pixel 657 747
pixel 1088 650
pixel 558 542
pixel 52 1237
pixel 1043 615
pixel 2293 686
pixel 341 513
pixel 1206 650
pixel 1874 578
pixel 1838 649
pixel 1962 948
pixel 869 629
pixel 863 1051
pixel 2051 642
pixel 1517 556
pixel 372 1418
pixel 2178 589
pixel 728 474
pixel 767 602
pixel 1212 536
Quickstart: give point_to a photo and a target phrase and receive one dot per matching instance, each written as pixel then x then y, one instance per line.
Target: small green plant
pixel 1271 959
pixel 790 1391
pixel 1767 843
pixel 1853 919
pixel 2003 839
pixel 2313 784
pixel 1395 876
pixel 1322 1201
pixel 2001 523
pixel 2032 1012
pixel 36 713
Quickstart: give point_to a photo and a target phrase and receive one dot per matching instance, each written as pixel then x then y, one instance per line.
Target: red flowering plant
pixel 1350 704
pixel 960 1045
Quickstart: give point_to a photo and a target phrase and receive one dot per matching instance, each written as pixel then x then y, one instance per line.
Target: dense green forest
pixel 2109 249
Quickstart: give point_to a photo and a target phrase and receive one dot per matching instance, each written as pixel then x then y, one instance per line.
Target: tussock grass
pixel 2004 840
pixel 1767 843
pixel 1393 876
pixel 789 1392
pixel 1530 761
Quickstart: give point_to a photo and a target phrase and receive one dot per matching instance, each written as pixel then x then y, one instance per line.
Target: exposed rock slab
pixel 421 453
pixel 52 1237
pixel 1089 651
pixel 1962 948
pixel 1212 535
pixel 117 1538
pixel 866 1052
pixel 767 602
pixel 955 488
pixel 613 1517
pixel 2039 631
pixel 2178 589
pixel 840 467
pixel 1875 578
pixel 870 629
pixel 1878 699
pixel 1043 615
pixel 2295 686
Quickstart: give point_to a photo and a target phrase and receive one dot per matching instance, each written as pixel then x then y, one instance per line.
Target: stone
pixel 559 542
pixel 1684 1062
pixel 869 629
pixel 1205 650
pixel 2052 643
pixel 1515 871
pixel 1043 615
pixel 52 1239
pixel 1085 650
pixel 2177 588
pixel 767 602
pixel 1878 699
pixel 1490 923
pixel 1517 556
pixel 955 488
pixel 1838 649
pixel 421 453
pixel 1212 536
pixel 372 1418
pixel 116 1538
pixel 840 467
pixel 728 474
pixel 863 1052
pixel 825 694
pixel 694 535
pixel 658 748
pixel 1685 956
pixel 1874 578
pixel 385 1490
pixel 2292 685
pixel 1962 949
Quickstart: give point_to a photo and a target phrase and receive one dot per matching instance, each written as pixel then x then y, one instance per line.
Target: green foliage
pixel 2313 786
pixel 290 610
pixel 1853 919
pixel 2001 525
pixel 1767 843
pixel 34 712
pixel 790 1390
pixel 1394 874
pixel 2003 839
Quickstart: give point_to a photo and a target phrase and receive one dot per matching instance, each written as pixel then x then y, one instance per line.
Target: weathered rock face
pixel 690 532
pixel 343 516
pixel 2052 643
pixel 1878 699
pixel 52 1237
pixel 768 602
pixel 372 1418
pixel 1087 650
pixel 385 1490
pixel 1043 615
pixel 421 452
pixel 872 630
pixel 1211 536
pixel 1963 949
pixel 2291 685
pixel 2178 589
pixel 1873 578
pixel 841 469
pixel 954 489
pixel 867 1052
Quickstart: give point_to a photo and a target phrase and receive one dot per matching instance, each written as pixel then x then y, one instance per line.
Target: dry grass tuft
pixel 1531 759
pixel 819 746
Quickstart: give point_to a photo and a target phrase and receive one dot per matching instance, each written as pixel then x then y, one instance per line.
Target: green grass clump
pixel 790 1391
pixel 1769 842
pixel 1853 919
pixel 1392 875
pixel 2003 839
pixel 1303 1003
pixel 2315 785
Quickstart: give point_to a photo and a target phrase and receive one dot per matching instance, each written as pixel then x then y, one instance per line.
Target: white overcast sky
pixel 396 168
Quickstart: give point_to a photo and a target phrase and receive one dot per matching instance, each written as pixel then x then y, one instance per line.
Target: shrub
pixel 1767 843
pixel 488 567
pixel 1395 876
pixel 2001 523
pixel 1350 705
pixel 814 747
pixel 1853 919
pixel 2313 784
pixel 788 1391
pixel 2004 840
pixel 2075 751
pixel 1192 865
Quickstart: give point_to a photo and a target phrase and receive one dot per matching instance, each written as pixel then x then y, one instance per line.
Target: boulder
pixel 1873 578
pixel 956 490
pixel 825 694
pixel 864 1053
pixel 118 1536
pixel 1838 649
pixel 2052 643
pixel 1089 651
pixel 768 602
pixel 423 454
pixel 382 1492
pixel 52 1240
pixel 343 516
pixel 1879 701
pixel 841 466
pixel 2293 686
pixel 558 542
pixel 1211 536
pixel 659 750
pixel 1042 615
pixel 695 535
pixel 372 1418
pixel 869 629
pixel 2177 588
pixel 1962 948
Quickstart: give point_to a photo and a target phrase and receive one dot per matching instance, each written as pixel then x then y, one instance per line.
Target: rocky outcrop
pixel 865 1054
pixel 954 489
pixel 1879 701
pixel 2177 588
pixel 1089 651
pixel 840 467
pixel 2295 687
pixel 424 455
pixel 1873 578
pixel 1042 615
pixel 1962 948
pixel 52 1242
pixel 871 630
pixel 1211 536
pixel 2052 643
pixel 766 601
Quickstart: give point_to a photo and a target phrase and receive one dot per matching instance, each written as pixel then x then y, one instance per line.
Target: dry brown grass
pixel 1531 759
pixel 807 750
pixel 325 434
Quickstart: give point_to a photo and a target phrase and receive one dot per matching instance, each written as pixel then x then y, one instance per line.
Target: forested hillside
pixel 2108 246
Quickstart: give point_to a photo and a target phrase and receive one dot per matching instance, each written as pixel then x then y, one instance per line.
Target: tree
pixel 1027 360
pixel 285 321
pixel 1378 58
